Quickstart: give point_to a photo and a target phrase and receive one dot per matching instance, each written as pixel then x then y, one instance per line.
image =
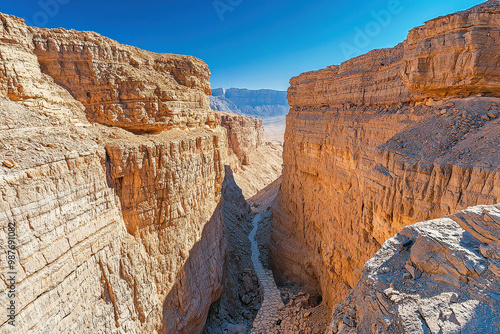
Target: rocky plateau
pixel 262 103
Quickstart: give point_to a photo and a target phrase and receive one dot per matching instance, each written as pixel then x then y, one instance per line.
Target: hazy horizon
pixel 247 44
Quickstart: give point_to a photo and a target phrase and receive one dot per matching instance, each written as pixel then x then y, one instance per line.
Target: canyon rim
pixel 134 199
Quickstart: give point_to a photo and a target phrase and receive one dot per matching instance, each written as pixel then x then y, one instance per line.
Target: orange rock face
pixel 383 141
pixel 455 54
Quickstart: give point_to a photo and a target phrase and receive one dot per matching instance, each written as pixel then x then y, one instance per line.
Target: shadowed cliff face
pixel 223 236
pixel 385 140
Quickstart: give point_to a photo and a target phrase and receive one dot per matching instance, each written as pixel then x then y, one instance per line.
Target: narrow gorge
pixel 136 206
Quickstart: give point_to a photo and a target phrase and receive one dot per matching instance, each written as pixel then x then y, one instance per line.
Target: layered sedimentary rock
pixel 451 55
pixel 115 231
pixel 439 276
pixel 455 54
pixel 245 134
pixel 263 103
pixel 259 162
pixel 124 86
pixel 386 140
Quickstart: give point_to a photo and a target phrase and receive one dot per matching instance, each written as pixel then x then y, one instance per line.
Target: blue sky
pixel 247 43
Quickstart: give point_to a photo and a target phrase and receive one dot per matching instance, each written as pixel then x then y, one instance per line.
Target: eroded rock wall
pixel 116 231
pixel 454 55
pixel 245 134
pixel 367 152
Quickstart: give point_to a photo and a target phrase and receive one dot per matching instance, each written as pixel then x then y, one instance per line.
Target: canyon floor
pixel 285 308
pixel 299 310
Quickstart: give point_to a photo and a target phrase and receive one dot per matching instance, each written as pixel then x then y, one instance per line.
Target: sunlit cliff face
pixel 384 140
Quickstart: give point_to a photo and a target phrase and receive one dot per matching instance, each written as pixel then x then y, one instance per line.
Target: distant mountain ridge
pixel 261 103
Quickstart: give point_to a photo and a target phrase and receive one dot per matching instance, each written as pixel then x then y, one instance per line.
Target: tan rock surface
pixel 259 162
pixel 124 86
pixel 245 134
pixel 366 154
pixel 456 54
pixel 432 277
pixel 266 164
pixel 21 78
pixel 274 129
pixel 116 232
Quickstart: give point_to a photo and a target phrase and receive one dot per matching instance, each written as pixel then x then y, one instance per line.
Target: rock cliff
pixel 245 134
pixel 259 163
pixel 383 141
pixel 124 86
pixel 439 276
pixel 262 103
pixel 113 176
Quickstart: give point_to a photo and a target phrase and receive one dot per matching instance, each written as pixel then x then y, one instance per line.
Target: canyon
pixel 269 105
pixel 141 201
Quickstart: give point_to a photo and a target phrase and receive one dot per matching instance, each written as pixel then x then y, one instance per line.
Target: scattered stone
pixel 9 163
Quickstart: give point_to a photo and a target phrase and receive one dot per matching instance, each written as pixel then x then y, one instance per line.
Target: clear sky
pixel 247 43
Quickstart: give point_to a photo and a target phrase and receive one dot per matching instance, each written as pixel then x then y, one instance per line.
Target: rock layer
pixel 377 143
pixel 454 55
pixel 124 86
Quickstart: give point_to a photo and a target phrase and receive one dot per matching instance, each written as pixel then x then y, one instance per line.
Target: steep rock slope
pixel 115 231
pixel 262 103
pixel 439 276
pixel 385 140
